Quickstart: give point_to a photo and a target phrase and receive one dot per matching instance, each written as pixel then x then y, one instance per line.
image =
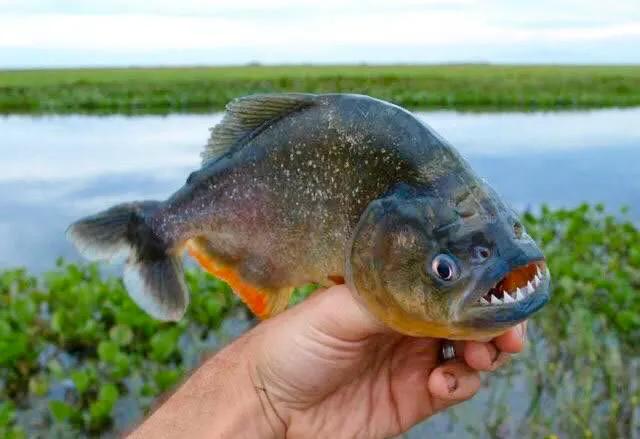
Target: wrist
pixel 220 399
pixel 244 406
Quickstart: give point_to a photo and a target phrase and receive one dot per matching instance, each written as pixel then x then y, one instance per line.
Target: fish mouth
pixel 517 286
pixel 512 298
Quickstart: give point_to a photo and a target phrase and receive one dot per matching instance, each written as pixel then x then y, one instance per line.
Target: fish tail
pixel 153 273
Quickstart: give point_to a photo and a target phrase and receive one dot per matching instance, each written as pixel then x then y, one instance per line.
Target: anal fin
pixel 263 302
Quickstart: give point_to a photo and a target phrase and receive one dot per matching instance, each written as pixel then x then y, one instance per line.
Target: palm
pixel 342 372
pixel 369 384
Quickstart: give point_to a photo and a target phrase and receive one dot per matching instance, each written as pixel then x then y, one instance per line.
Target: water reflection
pixel 55 169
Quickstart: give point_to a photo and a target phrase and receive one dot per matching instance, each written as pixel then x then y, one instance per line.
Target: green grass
pixel 468 87
pixel 75 347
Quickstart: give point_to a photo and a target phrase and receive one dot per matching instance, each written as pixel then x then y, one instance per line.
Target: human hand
pixel 327 368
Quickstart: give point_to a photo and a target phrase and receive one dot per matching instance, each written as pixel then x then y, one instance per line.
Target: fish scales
pixel 299 188
pixel 295 192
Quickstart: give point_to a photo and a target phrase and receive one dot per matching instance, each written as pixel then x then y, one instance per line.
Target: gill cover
pixel 386 264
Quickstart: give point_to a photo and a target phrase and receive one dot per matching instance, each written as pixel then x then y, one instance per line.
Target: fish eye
pixel 480 253
pixel 444 267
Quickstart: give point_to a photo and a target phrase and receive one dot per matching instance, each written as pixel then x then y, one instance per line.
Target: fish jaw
pixel 513 296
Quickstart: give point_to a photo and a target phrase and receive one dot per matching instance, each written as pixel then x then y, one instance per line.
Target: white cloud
pixel 135 32
pixel 299 29
pixel 220 8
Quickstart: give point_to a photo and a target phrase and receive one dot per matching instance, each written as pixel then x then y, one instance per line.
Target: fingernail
pixel 452 382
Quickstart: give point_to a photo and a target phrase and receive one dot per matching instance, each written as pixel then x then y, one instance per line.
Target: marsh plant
pixel 164 90
pixel 79 358
pixel 580 375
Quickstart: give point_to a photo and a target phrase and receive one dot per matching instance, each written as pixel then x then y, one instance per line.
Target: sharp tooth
pixel 519 295
pixel 538 271
pixel 508 299
pixel 536 280
pixel 529 288
pixel 484 301
pixel 495 300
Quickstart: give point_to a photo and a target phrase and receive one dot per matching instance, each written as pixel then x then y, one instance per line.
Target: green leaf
pixel 61 411
pixel 121 365
pixel 121 334
pixel 24 310
pixel 108 351
pixel 7 413
pixel 38 385
pixel 14 349
pixel 81 379
pixel 57 321
pixel 5 329
pixel 99 410
pixel 108 393
pixel 15 433
pixel 167 378
pixel 163 344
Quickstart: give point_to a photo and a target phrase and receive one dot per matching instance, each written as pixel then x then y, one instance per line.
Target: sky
pixel 72 33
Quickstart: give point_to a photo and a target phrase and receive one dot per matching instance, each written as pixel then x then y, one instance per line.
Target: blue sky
pixel 40 33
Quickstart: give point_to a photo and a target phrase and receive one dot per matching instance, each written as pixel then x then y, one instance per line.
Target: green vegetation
pixel 78 357
pixel 163 90
pixel 582 367
pixel 73 344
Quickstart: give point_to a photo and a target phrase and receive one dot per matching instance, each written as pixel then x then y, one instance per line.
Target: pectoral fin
pixel 263 302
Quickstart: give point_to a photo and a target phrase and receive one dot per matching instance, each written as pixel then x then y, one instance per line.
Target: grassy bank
pixel 79 358
pixel 471 87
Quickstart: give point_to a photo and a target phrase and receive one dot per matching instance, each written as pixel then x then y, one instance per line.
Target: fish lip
pixel 504 314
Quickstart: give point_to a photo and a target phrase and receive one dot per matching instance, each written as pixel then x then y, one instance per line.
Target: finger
pixel 335 312
pixel 483 356
pixel 452 383
pixel 513 340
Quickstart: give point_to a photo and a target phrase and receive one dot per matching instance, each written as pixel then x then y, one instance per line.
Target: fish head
pixel 455 264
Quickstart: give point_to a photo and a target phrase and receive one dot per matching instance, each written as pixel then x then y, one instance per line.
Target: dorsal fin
pixel 247 113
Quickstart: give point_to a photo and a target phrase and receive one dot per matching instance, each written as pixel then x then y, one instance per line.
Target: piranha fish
pixel 302 188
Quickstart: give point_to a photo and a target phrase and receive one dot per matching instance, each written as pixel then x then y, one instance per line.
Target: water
pixel 56 169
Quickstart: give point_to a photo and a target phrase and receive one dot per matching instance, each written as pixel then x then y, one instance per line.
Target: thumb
pixel 336 312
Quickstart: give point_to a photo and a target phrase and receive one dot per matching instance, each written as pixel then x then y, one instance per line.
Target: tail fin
pixel 153 276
